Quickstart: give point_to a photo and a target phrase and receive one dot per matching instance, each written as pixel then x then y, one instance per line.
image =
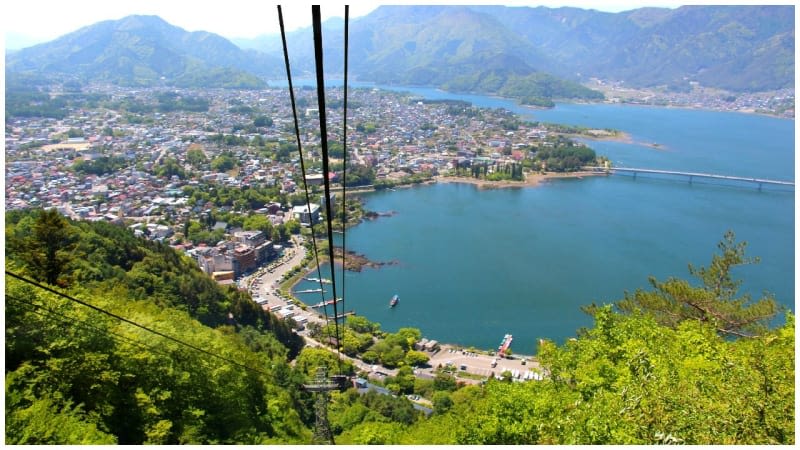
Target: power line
pixel 344 154
pixel 130 322
pixel 60 317
pixel 303 168
pixel 323 129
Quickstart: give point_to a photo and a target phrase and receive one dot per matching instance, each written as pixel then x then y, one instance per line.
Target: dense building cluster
pixel 124 160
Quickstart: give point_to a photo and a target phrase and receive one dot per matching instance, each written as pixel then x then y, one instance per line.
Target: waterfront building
pixel 306 214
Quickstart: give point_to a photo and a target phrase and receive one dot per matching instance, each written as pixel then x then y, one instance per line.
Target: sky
pixel 44 20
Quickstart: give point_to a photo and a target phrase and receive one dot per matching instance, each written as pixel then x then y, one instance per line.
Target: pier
pixel 343 315
pixel 326 303
pixel 309 291
pixel 691 175
pixel 317 280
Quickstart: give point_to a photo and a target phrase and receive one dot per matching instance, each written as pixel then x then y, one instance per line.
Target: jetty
pixel 504 345
pixel 318 280
pixel 343 315
pixel 309 291
pixel 326 303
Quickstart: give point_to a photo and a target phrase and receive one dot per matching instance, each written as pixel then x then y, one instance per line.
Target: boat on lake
pixel 394 300
pixel 504 345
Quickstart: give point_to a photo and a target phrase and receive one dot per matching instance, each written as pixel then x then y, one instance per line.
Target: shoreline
pixel 307 270
pixel 531 179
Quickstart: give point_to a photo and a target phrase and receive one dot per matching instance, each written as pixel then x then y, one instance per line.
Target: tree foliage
pixel 99 166
pixel 75 376
pixel 44 245
pixel 716 301
pixel 223 163
pixel 105 257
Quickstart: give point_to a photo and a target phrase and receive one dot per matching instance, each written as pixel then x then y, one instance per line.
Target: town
pixel 216 173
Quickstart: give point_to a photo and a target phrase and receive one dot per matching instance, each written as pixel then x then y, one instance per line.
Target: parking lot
pixel 484 365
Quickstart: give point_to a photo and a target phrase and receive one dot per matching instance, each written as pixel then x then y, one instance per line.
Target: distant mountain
pixel 143 50
pixel 739 48
pixel 456 48
pixel 533 54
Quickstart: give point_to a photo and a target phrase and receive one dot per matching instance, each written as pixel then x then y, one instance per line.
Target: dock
pixel 326 303
pixel 318 280
pixel 343 315
pixel 309 291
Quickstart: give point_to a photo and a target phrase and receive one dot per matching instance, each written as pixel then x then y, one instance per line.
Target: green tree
pixel 361 324
pixel 48 251
pixel 169 167
pixel 715 302
pixel 441 402
pixel 393 357
pixel 415 358
pixel 410 337
pixel 41 422
pixel 260 223
pixel 223 163
pixel 195 156
pixel 405 380
pixel 444 382
pixel 312 358
pixel 292 227
pixel 262 121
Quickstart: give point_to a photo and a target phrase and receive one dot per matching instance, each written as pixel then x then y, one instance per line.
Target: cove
pixel 476 264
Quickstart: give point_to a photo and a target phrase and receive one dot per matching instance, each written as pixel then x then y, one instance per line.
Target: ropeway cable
pixel 344 151
pixel 303 170
pixel 317 25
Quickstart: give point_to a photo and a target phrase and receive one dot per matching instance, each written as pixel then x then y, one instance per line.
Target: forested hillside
pixel 505 50
pixel 75 375
pixel 688 363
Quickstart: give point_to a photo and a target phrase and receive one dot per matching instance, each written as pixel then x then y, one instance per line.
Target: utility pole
pixel 321 386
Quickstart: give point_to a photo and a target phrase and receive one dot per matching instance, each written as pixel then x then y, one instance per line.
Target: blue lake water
pixel 475 264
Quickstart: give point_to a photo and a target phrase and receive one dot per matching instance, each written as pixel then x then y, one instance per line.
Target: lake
pixel 473 265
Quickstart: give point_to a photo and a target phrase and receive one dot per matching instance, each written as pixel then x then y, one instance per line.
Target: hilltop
pixel 145 51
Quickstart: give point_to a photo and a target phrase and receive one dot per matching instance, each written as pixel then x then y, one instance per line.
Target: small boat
pixel 504 345
pixel 394 300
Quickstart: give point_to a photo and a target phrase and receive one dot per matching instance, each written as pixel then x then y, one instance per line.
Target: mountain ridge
pixel 144 50
pixel 484 49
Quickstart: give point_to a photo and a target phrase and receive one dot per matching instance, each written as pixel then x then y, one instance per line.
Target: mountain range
pixel 519 52
pixel 142 51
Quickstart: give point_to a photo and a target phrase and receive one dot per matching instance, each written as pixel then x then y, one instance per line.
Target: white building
pixel 301 213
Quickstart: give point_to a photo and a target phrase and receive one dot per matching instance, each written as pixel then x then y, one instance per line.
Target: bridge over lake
pixel 690 176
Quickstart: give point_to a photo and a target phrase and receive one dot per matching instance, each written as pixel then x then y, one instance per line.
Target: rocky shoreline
pixel 355 262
